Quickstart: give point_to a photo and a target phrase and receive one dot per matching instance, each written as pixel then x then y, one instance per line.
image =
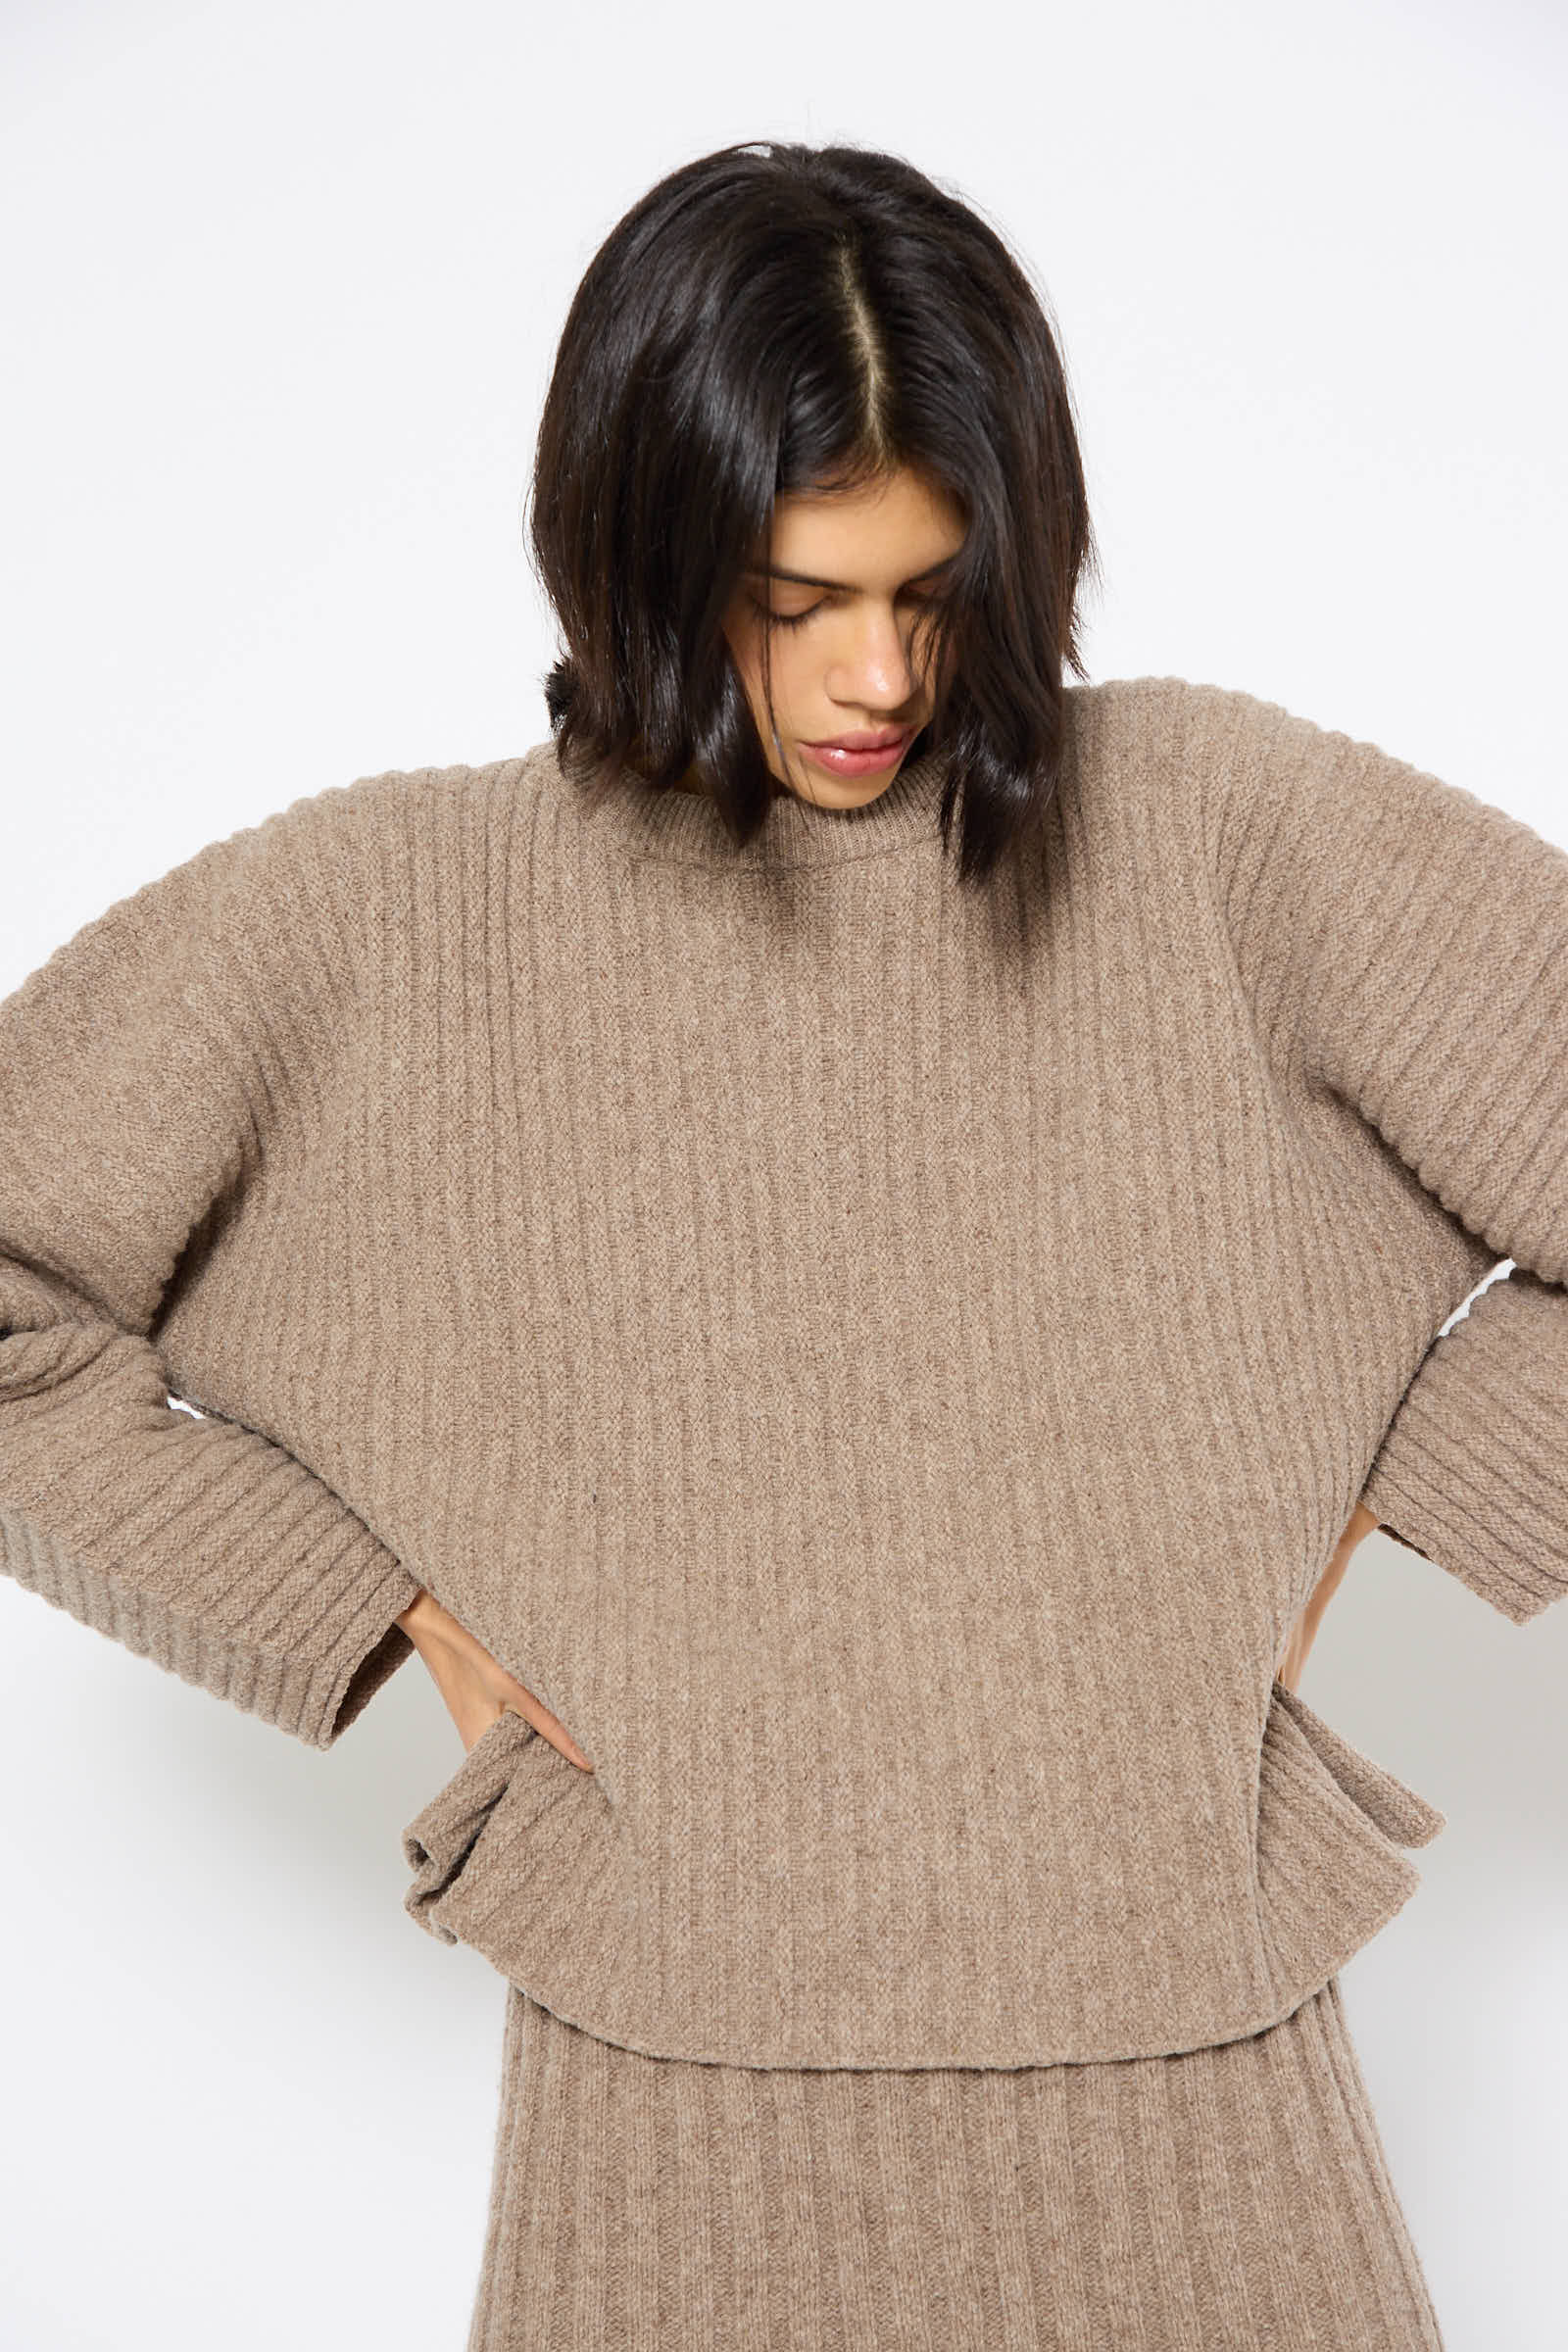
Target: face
pixel 842 653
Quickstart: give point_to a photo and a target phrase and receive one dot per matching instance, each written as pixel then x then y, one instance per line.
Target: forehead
pixel 897 528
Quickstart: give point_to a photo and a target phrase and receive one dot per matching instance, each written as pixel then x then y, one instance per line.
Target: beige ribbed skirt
pixel 1235 2195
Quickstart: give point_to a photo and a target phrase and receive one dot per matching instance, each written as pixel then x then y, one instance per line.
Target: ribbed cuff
pixel 1473 1469
pixel 252 1579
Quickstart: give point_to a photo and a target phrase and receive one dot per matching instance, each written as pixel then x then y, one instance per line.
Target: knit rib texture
pixel 1231 2196
pixel 886 1364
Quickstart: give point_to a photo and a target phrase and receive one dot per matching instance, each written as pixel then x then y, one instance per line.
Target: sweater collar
pixel 686 828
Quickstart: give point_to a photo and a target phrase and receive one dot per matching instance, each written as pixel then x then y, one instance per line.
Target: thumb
pixel 514 1699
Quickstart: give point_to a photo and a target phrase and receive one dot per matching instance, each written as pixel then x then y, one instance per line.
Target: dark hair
pixel 776 319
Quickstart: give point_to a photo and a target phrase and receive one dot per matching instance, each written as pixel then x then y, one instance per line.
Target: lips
pixel 882 740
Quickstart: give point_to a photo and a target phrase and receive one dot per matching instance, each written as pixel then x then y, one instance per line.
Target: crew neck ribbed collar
pixel 685 828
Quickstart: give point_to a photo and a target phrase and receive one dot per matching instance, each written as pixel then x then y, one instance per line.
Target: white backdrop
pixel 281 292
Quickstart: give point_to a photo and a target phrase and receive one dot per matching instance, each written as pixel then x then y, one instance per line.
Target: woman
pixel 859 1381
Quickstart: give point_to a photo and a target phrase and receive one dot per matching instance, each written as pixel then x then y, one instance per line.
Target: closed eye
pixel 796 620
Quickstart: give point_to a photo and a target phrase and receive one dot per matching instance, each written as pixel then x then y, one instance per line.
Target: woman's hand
pixel 1305 1630
pixel 476 1691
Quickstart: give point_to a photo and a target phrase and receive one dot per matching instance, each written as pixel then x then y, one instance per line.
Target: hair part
pixel 776 320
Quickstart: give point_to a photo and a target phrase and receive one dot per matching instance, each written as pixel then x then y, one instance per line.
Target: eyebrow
pixel 806 579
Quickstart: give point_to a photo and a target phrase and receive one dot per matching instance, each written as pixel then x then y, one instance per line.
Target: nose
pixel 872 670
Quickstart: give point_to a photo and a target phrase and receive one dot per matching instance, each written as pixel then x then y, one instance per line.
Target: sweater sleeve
pixel 147 1069
pixel 1413 938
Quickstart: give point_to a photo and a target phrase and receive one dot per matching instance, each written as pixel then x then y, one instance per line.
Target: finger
pixel 550 1727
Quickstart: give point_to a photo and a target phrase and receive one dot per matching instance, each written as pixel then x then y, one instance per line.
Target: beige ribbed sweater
pixel 886 1365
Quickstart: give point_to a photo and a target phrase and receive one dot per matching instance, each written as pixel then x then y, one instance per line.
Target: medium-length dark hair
pixel 775 318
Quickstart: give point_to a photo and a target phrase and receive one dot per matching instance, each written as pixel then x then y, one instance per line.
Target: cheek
pixel 789 662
